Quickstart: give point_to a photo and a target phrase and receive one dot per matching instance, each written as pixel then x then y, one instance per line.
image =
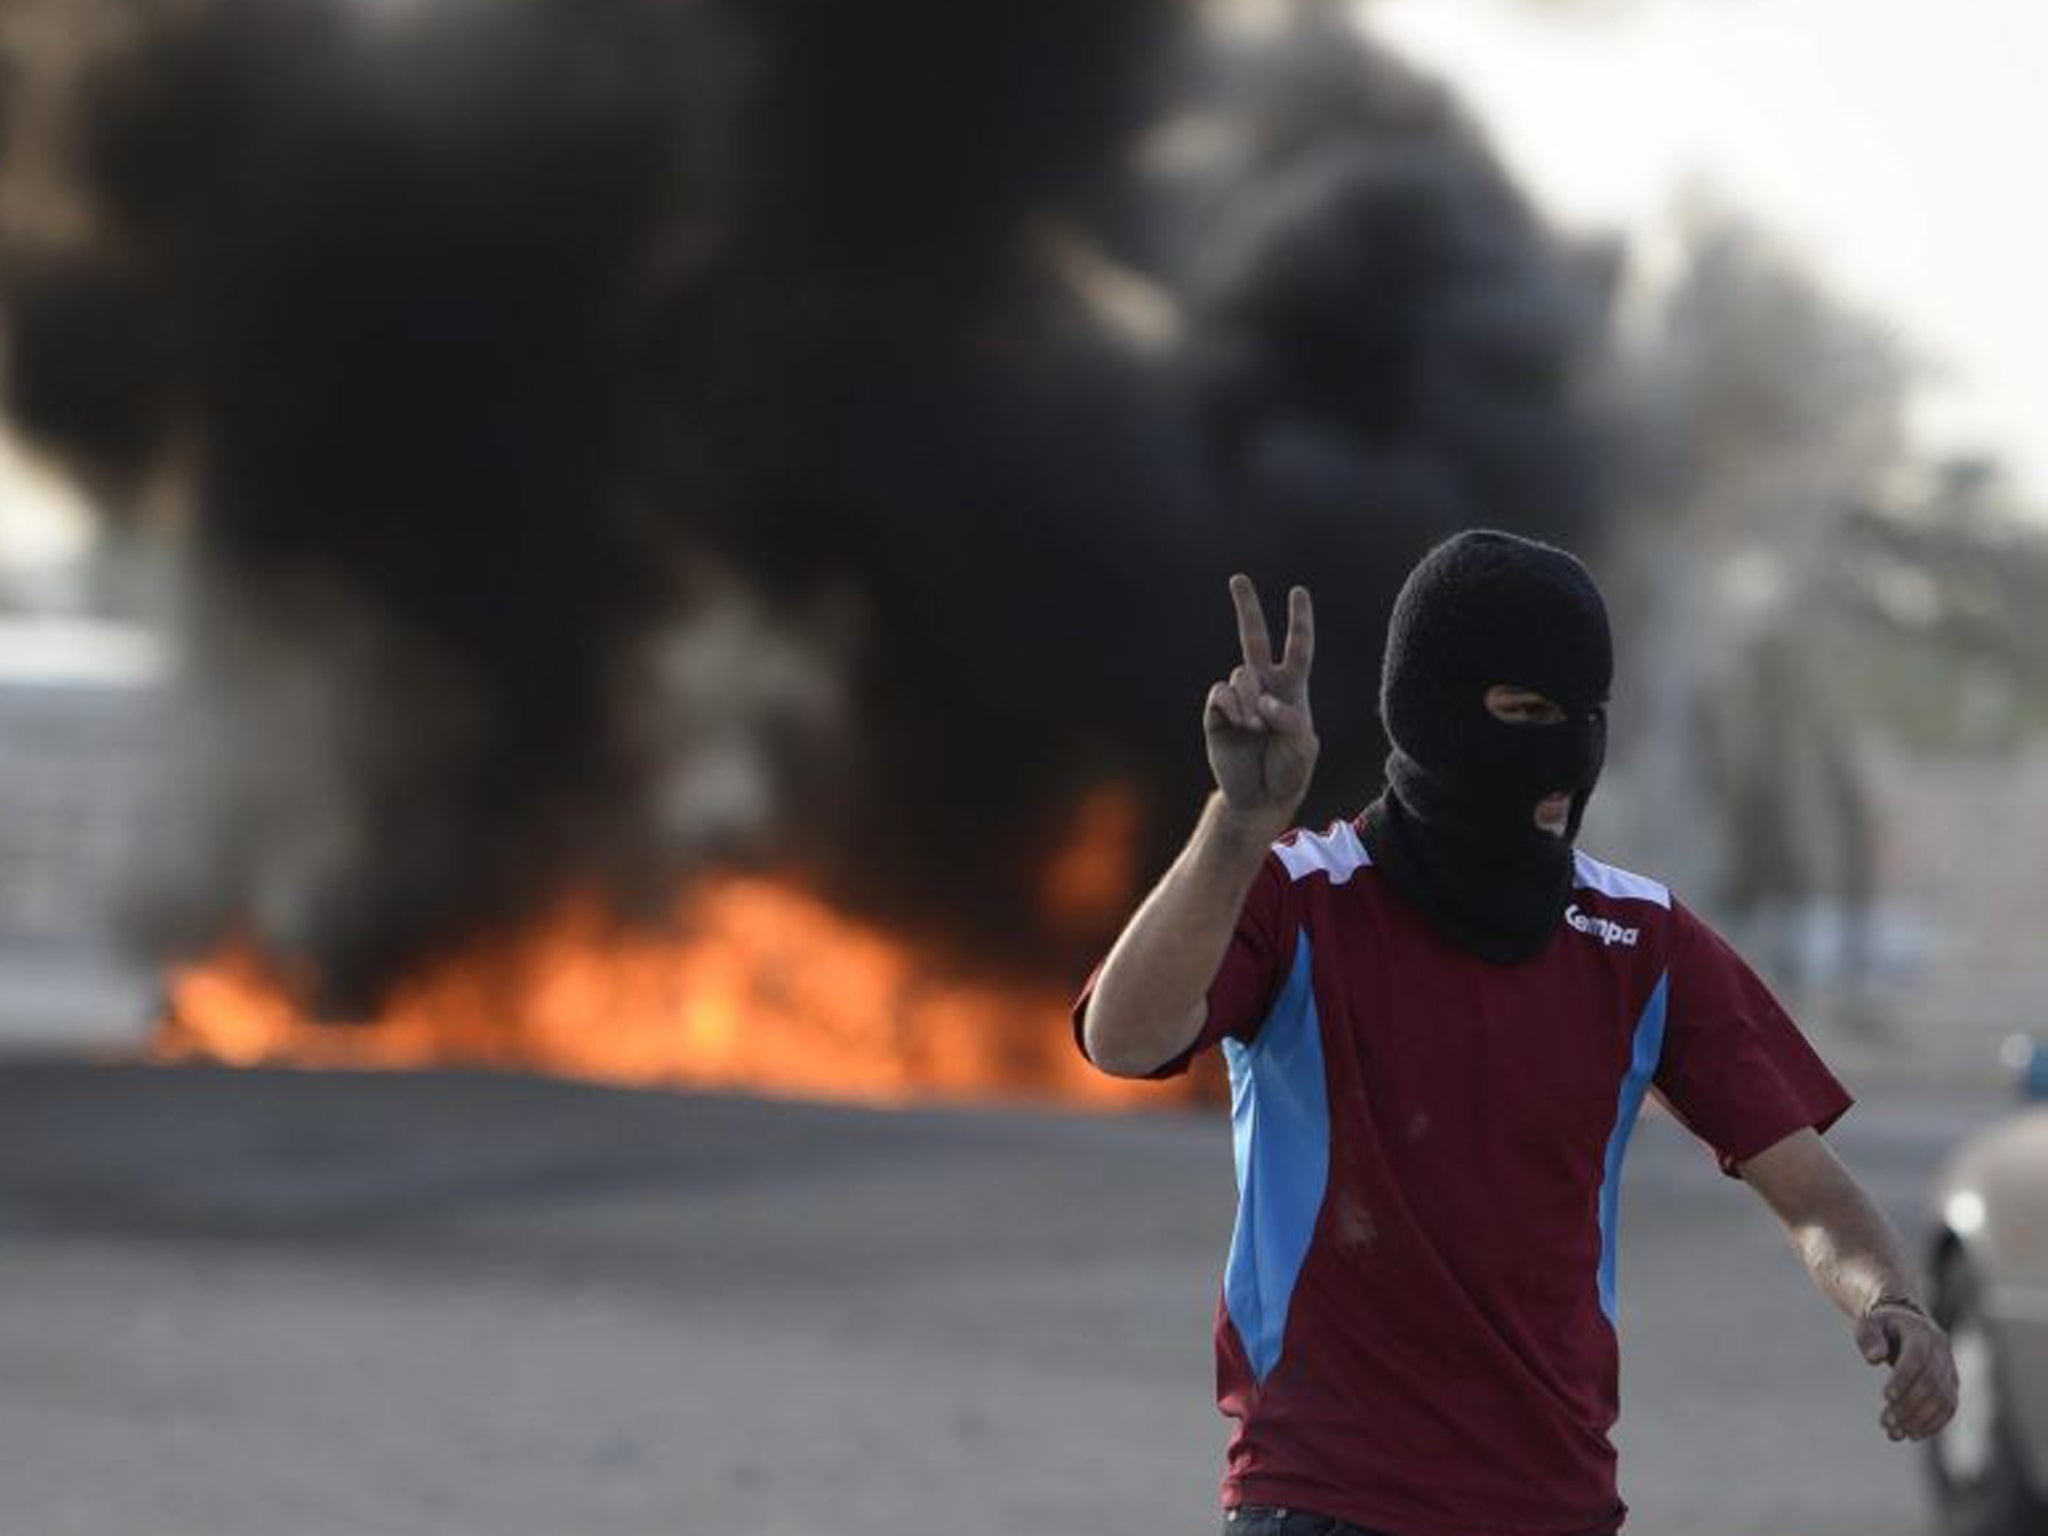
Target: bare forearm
pixel 1149 1000
pixel 1845 1242
pixel 1855 1258
pixel 1853 1254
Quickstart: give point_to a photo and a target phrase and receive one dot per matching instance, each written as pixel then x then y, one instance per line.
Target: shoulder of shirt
pixel 1590 874
pixel 1337 851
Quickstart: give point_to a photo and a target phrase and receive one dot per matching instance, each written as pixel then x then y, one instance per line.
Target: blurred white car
pixel 1989 1261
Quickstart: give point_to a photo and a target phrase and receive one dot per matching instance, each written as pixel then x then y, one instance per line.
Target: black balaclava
pixel 1455 832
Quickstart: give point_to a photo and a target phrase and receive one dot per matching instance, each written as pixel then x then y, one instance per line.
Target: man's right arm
pixel 1149 1002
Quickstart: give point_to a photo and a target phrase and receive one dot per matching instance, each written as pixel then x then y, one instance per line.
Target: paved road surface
pixel 282 1305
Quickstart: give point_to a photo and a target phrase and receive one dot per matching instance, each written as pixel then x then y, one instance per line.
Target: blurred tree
pixel 1751 406
pixel 1940 603
pixel 1807 586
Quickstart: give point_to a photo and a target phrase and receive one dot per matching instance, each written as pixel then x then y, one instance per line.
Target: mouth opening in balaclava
pixel 1455 832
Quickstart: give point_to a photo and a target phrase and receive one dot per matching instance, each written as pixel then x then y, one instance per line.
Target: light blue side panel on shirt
pixel 1280 1121
pixel 1642 1068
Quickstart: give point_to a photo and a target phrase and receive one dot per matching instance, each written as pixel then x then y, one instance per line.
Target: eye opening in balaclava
pixel 1576 732
pixel 1455 831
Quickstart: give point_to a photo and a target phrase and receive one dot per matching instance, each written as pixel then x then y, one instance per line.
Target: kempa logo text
pixel 1606 930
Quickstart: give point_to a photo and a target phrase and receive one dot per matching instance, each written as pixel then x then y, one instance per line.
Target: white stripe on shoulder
pixel 1339 853
pixel 1590 873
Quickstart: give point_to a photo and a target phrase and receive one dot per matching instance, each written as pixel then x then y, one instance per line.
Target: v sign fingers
pixel 1255 724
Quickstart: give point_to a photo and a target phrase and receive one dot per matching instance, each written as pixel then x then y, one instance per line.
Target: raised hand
pixel 1261 738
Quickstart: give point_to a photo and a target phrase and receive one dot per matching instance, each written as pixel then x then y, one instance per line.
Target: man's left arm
pixel 1856 1261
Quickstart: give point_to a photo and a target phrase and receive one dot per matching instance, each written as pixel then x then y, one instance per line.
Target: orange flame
pixel 763 987
pixel 1088 883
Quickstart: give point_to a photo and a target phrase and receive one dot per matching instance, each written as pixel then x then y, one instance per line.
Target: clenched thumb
pixel 1875 1340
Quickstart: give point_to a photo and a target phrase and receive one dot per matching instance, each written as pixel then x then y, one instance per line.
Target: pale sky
pixel 1896 144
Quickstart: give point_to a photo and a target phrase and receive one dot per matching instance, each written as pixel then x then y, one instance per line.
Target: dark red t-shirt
pixel 1416 1328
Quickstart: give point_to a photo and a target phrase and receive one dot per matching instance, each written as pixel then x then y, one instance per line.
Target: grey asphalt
pixel 275 1304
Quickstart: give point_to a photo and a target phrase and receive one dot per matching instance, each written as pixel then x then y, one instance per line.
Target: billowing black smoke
pixel 622 439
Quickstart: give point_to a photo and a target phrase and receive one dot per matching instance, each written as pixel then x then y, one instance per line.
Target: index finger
pixel 1252 634
pixel 1301 635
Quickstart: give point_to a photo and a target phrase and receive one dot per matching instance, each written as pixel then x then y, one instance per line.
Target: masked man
pixel 1440 1021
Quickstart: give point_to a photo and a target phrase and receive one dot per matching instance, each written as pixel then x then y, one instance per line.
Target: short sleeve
pixel 1735 1069
pixel 1245 984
